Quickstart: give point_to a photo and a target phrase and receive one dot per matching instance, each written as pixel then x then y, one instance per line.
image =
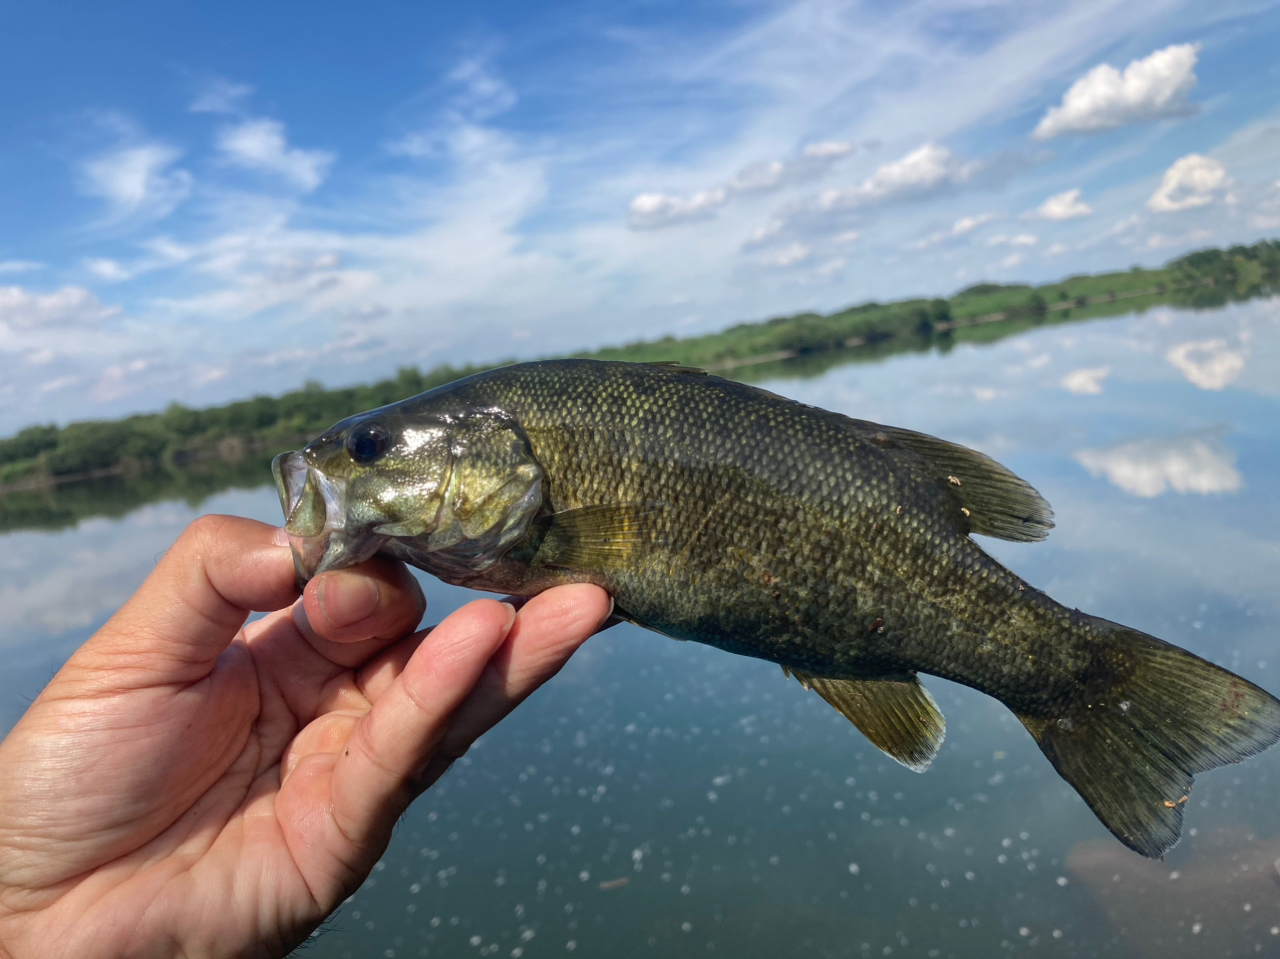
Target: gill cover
pixel 491 493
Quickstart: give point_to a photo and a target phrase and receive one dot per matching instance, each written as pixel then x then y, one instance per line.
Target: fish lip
pixel 298 483
pixel 290 472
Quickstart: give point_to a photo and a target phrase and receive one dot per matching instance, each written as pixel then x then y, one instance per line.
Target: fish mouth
pixel 315 511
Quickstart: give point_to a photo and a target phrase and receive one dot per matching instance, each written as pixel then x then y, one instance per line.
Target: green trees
pixel 179 439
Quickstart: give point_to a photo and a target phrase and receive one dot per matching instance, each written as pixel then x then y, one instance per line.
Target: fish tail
pixel 1148 719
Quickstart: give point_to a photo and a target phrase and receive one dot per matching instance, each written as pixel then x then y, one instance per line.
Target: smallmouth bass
pixel 840 549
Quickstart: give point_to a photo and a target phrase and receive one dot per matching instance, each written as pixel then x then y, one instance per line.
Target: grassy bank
pixel 187 452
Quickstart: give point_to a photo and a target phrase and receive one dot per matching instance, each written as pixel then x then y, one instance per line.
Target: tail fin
pixel 1155 717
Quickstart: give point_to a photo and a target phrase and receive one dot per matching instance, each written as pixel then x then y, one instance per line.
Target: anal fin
pixel 897 715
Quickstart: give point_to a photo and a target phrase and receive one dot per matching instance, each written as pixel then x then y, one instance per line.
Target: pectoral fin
pixel 597 537
pixel 898 715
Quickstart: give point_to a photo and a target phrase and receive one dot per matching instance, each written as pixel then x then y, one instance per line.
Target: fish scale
pixel 837 548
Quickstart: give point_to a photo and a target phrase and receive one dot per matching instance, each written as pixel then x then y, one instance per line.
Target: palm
pixel 215 800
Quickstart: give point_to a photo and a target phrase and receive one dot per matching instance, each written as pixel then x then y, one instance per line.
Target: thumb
pixel 194 602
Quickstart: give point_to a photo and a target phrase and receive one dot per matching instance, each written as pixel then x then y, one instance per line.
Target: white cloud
pixel 1208 364
pixel 922 170
pixel 137 181
pixel 1086 382
pixel 652 210
pixel 1191 182
pixel 1063 206
pixel 260 144
pixel 1021 239
pixel 966 224
pixel 1105 98
pixel 1187 463
pixel 71 306
pixel 220 96
pixel 19 266
pixel 789 255
pixel 1010 261
pixel 1057 249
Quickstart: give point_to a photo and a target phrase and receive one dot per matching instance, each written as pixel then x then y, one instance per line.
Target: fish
pixel 840 549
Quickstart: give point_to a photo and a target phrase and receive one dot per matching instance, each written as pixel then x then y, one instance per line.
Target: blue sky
pixel 206 201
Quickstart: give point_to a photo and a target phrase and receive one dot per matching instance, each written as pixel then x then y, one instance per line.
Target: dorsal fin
pixel 992 500
pixel 675 366
pixel 897 714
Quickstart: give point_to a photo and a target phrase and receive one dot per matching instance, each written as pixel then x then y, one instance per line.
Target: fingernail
pixel 512 617
pixel 346 599
pixel 280 537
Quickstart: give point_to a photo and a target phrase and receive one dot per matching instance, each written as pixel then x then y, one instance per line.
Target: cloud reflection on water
pixel 1196 462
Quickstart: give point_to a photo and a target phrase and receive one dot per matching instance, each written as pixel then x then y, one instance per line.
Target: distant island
pixel 52 476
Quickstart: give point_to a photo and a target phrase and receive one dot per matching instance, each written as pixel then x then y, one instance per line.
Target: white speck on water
pixel 1062 880
pixel 1196 927
pixel 1024 931
pixel 475 940
pixel 1175 874
pixel 687 926
pixel 853 868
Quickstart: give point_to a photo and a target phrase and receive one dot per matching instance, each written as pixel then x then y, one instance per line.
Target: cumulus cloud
pixel 260 144
pixel 1105 98
pixel 1192 181
pixel 966 224
pixel 1208 364
pixel 921 171
pixel 1197 462
pixel 19 266
pixel 1063 206
pixel 69 307
pixel 1086 382
pixel 653 210
pixel 137 180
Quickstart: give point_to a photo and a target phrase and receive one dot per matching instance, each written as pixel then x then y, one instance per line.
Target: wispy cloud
pixel 67 308
pixel 1105 98
pixel 653 210
pixel 961 227
pixel 19 266
pixel 260 144
pixel 220 96
pixel 138 180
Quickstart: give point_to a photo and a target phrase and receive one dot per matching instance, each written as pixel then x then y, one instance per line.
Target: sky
pixel 206 201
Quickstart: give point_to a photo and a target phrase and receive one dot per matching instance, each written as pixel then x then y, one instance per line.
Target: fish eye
pixel 367 442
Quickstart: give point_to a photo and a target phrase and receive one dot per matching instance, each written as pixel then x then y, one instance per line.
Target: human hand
pixel 186 787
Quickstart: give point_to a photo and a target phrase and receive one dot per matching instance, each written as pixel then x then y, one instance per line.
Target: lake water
pixel 666 799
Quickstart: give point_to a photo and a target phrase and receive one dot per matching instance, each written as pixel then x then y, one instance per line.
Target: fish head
pixel 462 485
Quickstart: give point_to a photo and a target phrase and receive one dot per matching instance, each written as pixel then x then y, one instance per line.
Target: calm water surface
pixel 666 799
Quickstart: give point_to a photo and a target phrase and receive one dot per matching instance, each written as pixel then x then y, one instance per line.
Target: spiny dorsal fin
pixel 992 500
pixel 898 715
pixel 597 537
pixel 675 366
